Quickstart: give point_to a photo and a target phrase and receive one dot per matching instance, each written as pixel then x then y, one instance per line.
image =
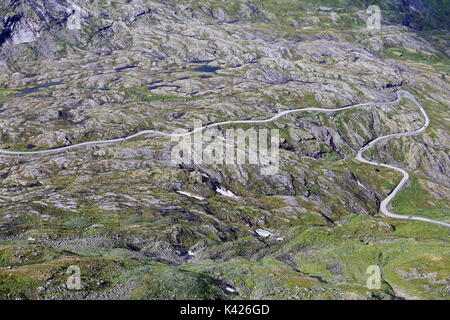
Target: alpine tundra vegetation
pixel 138 225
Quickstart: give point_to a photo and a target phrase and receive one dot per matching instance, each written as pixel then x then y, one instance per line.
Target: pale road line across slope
pixel 384 204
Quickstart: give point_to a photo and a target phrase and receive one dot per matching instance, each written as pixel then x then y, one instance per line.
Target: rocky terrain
pixel 141 227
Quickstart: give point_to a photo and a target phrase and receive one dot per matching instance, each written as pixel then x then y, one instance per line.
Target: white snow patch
pixel 360 184
pixel 229 289
pixel 263 233
pixel 31 239
pixel 226 193
pixel 191 253
pixel 191 195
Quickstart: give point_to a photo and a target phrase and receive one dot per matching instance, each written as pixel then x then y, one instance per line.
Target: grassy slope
pixel 412 256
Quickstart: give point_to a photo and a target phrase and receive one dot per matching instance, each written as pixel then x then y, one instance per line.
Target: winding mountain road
pixel 384 204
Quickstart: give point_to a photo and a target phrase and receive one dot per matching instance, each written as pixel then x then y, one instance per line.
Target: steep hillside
pixel 140 226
